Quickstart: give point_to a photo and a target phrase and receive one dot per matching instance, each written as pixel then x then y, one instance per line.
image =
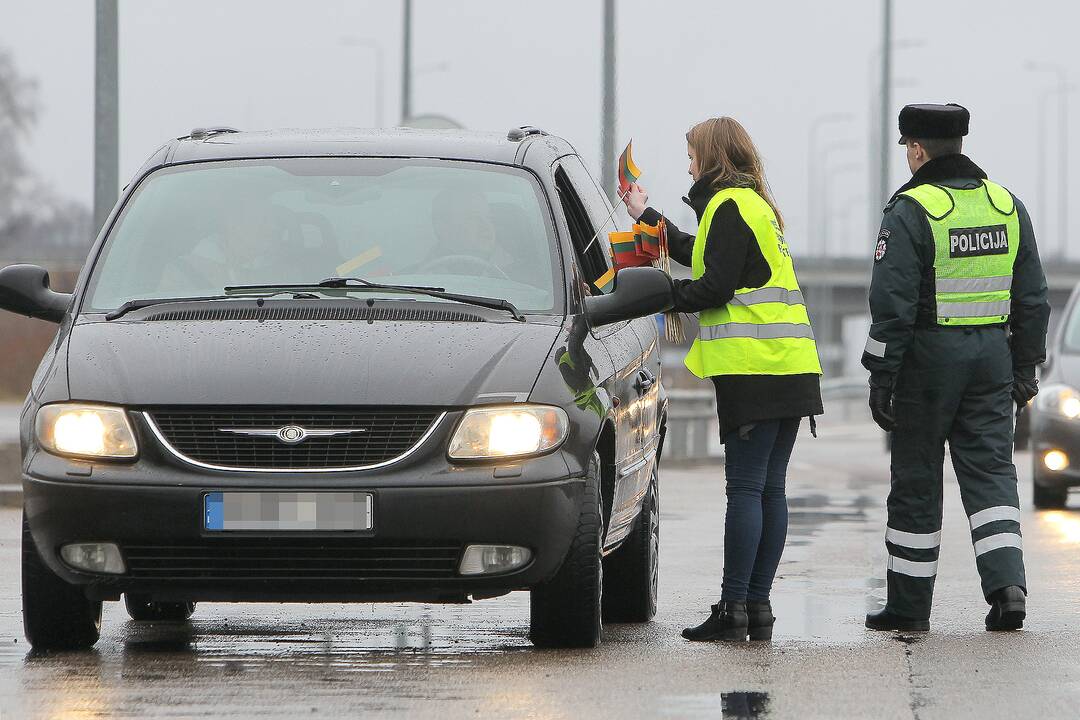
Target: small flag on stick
pixel 628 171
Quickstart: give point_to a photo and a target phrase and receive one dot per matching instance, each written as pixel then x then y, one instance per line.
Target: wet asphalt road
pixel 289 661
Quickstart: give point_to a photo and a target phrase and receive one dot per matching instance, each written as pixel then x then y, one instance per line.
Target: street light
pixel 828 326
pixel 816 126
pixel 349 41
pixel 1063 142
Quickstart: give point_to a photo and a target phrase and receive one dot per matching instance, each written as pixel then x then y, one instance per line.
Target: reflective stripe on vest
pixel 760 331
pixel 976 237
pixel 770 331
pixel 769 295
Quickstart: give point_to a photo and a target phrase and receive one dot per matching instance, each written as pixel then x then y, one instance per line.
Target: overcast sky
pixel 493 64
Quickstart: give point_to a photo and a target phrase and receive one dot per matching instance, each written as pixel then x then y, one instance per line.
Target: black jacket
pixel 902 287
pixel 733 260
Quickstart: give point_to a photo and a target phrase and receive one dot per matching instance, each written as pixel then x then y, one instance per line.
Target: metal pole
pixel 607 127
pixel 1063 162
pixel 886 100
pixel 106 112
pixel 1041 180
pixel 406 64
pixel 811 171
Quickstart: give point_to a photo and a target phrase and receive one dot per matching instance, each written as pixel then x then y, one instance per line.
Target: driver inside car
pixel 234 255
pixel 466 239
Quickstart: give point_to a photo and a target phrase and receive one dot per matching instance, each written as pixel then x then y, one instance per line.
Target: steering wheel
pixel 470 263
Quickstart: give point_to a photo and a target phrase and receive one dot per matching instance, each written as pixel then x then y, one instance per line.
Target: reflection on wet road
pixel 276 660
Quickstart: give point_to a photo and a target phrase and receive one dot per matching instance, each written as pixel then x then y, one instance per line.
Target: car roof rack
pixel 520 133
pixel 201 133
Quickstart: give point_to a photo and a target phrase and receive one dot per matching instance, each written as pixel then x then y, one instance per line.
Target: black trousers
pixel 954 386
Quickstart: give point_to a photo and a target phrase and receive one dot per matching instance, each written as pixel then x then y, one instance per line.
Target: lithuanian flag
pixel 628 171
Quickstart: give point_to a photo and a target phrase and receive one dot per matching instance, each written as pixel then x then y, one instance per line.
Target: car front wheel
pixel 565 610
pixel 1045 494
pixel 56 614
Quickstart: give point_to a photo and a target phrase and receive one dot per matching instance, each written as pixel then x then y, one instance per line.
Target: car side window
pixel 590 249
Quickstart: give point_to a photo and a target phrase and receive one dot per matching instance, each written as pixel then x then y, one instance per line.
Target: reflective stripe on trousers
pixel 912 568
pixel 997 283
pixel 768 331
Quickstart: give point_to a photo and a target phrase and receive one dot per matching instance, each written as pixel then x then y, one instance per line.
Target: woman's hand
pixel 636 200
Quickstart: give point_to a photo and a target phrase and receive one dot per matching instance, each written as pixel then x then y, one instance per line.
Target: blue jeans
pixel 757 514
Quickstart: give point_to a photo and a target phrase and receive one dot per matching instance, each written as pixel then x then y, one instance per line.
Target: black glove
pixel 1024 386
pixel 881 402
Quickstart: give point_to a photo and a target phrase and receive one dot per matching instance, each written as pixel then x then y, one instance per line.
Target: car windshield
pixel 192 230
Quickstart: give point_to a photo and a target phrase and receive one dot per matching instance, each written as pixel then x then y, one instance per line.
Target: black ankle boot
pixel 1008 608
pixel 759 619
pixel 727 622
pixel 886 619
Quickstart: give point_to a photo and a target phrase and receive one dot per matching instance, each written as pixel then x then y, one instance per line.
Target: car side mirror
pixel 639 292
pixel 24 289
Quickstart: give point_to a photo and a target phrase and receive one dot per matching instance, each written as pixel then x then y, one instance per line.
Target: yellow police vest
pixel 761 331
pixel 976 238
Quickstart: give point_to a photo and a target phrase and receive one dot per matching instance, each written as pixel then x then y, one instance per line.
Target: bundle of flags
pixel 642 245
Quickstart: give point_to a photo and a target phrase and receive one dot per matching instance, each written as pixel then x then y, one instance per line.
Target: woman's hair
pixel 726 153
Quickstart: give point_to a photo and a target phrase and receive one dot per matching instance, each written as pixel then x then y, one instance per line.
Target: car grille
pixel 240 558
pixel 386 435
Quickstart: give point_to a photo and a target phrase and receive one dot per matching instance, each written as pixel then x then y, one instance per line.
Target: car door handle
pixel 645 380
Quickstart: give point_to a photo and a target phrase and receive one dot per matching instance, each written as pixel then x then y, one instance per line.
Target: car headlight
pixel 85 431
pixel 508 431
pixel 1059 399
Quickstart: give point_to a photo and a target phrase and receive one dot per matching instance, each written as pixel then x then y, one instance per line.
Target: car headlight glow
pixel 86 431
pixel 509 431
pixel 1060 399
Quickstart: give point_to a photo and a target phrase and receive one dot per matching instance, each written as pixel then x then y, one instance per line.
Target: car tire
pixel 565 611
pixel 143 609
pixel 632 571
pixel 56 614
pixel 1047 495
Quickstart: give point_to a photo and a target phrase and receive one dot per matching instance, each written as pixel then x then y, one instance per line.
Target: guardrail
pixel 693 431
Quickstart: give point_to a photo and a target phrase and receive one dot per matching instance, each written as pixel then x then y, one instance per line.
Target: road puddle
pixel 718 706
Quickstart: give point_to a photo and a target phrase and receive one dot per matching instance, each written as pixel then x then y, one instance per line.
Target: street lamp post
pixel 822 163
pixel 377 52
pixel 1063 144
pixel 812 161
pixel 828 306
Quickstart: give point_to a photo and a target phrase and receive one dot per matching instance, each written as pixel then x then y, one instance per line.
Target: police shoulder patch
pixel 882 244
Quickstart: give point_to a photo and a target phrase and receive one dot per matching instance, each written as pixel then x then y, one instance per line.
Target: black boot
pixel 1007 609
pixel 886 619
pixel 727 622
pixel 759 619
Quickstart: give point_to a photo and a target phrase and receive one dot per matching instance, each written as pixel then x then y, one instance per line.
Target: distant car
pixel 1055 414
pixel 346 366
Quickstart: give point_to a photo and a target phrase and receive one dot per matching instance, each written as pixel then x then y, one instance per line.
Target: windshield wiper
pixel 147 302
pixel 362 284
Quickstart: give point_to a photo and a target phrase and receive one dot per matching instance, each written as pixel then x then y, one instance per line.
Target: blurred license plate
pixel 297 511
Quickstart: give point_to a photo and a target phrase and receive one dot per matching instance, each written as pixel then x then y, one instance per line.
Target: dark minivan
pixel 342 366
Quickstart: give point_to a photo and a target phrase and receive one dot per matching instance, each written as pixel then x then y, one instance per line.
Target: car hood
pixel 306 362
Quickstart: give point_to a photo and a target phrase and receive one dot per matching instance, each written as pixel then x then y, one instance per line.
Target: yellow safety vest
pixel 761 331
pixel 976 237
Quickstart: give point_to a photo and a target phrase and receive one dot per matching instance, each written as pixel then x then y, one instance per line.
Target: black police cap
pixel 933 121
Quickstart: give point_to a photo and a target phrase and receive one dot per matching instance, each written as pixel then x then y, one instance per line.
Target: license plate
pixel 287 511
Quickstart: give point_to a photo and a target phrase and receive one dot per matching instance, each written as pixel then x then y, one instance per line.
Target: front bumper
pixel 421 527
pixel 1049 432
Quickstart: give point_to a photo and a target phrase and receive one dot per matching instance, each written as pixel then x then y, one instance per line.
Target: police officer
pixel 959 307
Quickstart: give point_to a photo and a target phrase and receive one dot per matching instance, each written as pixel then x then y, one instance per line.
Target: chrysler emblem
pixel 290 434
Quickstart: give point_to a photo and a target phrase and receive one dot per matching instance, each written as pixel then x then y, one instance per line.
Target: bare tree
pixel 35 223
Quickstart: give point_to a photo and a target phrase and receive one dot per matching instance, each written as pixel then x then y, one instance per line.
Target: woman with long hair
pixel 755 345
